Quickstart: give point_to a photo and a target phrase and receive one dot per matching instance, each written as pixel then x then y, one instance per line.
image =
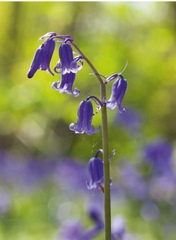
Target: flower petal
pixel 36 61
pixel 118 91
pixel 66 84
pixel 84 122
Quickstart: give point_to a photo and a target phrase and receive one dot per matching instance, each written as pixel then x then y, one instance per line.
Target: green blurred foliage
pixel 34 118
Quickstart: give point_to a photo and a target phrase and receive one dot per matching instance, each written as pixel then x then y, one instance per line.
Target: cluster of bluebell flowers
pixel 67 67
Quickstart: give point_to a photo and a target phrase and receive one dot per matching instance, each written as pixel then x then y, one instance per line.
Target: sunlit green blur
pixel 34 118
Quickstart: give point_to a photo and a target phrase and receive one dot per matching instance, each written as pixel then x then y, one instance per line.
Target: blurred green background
pixel 34 118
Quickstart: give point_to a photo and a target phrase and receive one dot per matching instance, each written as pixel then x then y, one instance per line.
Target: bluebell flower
pixel 95 215
pixel 118 91
pixel 71 230
pixel 118 228
pixel 133 182
pixel 75 231
pixel 160 154
pixel 96 171
pixel 68 169
pixel 66 84
pixel 150 211
pixel 84 122
pixel 131 120
pixel 67 63
pixel 42 58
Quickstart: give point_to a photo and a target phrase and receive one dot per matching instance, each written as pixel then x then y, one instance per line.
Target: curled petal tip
pixel 49 34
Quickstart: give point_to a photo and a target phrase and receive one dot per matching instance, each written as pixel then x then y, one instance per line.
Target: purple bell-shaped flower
pixel 42 58
pixel 66 84
pixel 84 122
pixel 118 91
pixel 67 63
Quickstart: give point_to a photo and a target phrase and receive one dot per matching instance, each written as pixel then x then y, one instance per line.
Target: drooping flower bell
pixel 95 168
pixel 96 171
pixel 42 58
pixel 66 84
pixel 67 63
pixel 84 122
pixel 118 91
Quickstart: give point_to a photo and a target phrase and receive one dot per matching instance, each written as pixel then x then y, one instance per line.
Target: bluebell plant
pixel 75 231
pixel 67 67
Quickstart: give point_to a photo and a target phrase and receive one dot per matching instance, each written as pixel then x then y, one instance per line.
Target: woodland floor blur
pixel 43 165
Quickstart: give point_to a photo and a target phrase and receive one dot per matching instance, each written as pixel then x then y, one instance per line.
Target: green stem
pixel 107 194
pixel 90 64
pixel 105 143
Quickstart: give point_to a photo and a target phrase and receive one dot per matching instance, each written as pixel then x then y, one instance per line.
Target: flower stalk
pixel 107 194
pixel 67 67
pixel 105 146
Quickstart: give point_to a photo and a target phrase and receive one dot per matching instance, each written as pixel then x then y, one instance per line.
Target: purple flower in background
pixel 66 84
pixel 118 228
pixel 71 230
pixel 42 58
pixel 118 91
pixel 159 154
pixel 130 119
pixel 68 169
pixel 133 182
pixel 162 187
pixel 5 201
pixel 85 115
pixel 95 215
pixel 75 231
pixel 150 211
pixel 67 63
